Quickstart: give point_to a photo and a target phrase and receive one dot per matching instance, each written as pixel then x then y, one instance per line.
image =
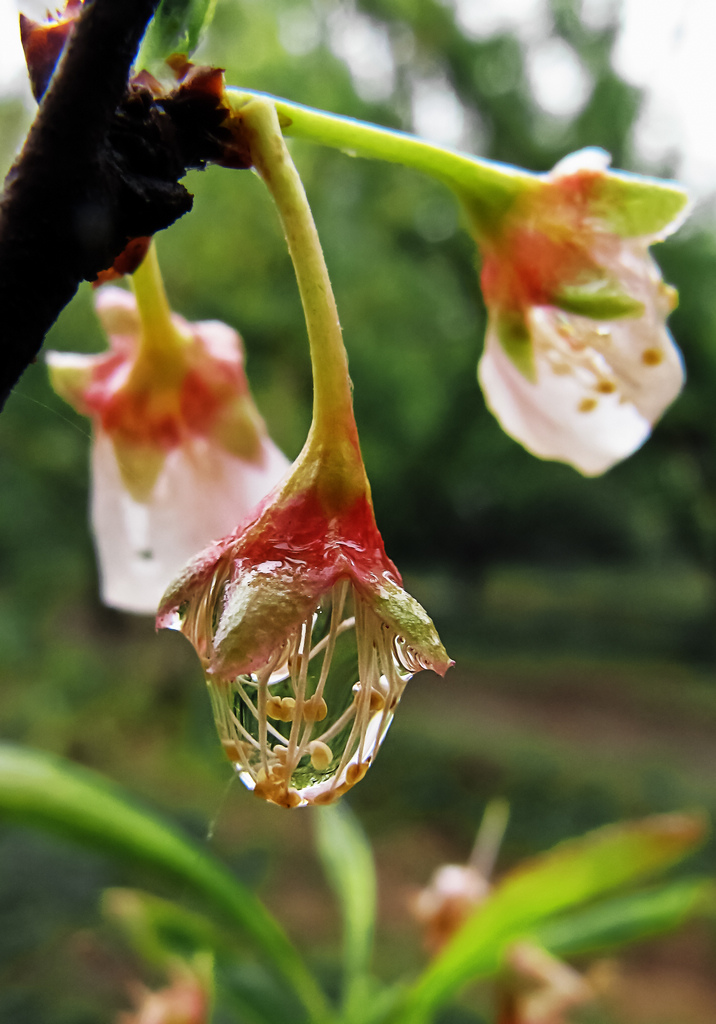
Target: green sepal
pixel 634 206
pixel 514 336
pixel 599 299
pixel 70 375
pixel 177 27
pixel 409 620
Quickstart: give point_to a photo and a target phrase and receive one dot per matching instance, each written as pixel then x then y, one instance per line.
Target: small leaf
pixel 348 863
pixel 574 872
pixel 515 338
pixel 635 206
pixel 616 922
pixel 177 27
pixel 163 933
pixel 157 929
pixel 600 300
pixel 44 791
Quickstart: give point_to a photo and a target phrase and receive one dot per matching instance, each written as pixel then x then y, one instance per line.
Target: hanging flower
pixel 180 451
pixel 305 634
pixel 578 362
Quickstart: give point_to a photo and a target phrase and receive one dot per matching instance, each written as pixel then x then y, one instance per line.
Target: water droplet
pixel 306 728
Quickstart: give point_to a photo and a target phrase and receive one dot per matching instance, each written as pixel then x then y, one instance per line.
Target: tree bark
pixel 63 211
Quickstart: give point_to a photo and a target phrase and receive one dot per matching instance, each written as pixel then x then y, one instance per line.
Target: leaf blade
pixel 44 791
pixel 574 872
pixel 348 862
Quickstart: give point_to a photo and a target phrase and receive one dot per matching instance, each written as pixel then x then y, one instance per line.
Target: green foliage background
pixel 581 612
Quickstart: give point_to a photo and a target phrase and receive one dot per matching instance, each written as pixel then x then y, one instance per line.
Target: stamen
pixel 322 704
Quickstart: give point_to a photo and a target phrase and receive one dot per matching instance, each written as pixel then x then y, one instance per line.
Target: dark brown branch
pixel 66 212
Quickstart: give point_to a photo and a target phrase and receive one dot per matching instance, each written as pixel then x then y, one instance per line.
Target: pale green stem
pixel 159 340
pixel 332 398
pixel 486 187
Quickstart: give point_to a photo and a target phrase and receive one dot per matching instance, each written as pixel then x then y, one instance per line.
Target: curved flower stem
pixel 488 186
pixel 333 419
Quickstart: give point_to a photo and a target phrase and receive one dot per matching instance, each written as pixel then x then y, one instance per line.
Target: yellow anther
pixel 321 755
pixel 606 387
pixel 652 356
pixel 280 708
pixel 587 405
pixel 377 700
pixel 315 709
pixel 355 772
pixel 280 753
pixel 233 751
pixel 329 797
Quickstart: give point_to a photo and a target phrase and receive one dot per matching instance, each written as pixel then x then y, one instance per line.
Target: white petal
pixel 117 310
pixel 590 159
pixel 545 417
pixel 221 341
pixel 640 351
pixel 201 494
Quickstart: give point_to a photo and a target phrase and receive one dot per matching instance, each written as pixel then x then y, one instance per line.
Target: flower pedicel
pixel 305 634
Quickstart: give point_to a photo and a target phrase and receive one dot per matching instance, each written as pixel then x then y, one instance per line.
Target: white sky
pixel 666 47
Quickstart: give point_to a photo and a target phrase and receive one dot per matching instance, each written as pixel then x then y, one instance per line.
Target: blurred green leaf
pixel 348 863
pixel 159 930
pixel 163 933
pixel 573 872
pixel 628 919
pixel 44 791
pixel 177 27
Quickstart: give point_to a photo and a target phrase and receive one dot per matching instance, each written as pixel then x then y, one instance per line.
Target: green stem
pixel 487 187
pixel 160 342
pixel 332 398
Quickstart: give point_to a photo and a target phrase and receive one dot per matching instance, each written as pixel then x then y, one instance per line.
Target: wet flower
pixel 578 362
pixel 180 451
pixel 305 634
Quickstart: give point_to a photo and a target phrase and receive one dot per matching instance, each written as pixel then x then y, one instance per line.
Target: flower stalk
pixel 160 344
pixel 305 634
pixel 492 185
pixel 333 434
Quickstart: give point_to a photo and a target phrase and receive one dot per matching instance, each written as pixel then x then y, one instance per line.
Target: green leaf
pixel 616 922
pixel 157 929
pixel 574 872
pixel 635 206
pixel 348 862
pixel 162 933
pixel 44 791
pixel 515 338
pixel 177 27
pixel 600 300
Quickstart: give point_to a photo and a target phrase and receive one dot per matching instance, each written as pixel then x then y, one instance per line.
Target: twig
pixel 65 213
